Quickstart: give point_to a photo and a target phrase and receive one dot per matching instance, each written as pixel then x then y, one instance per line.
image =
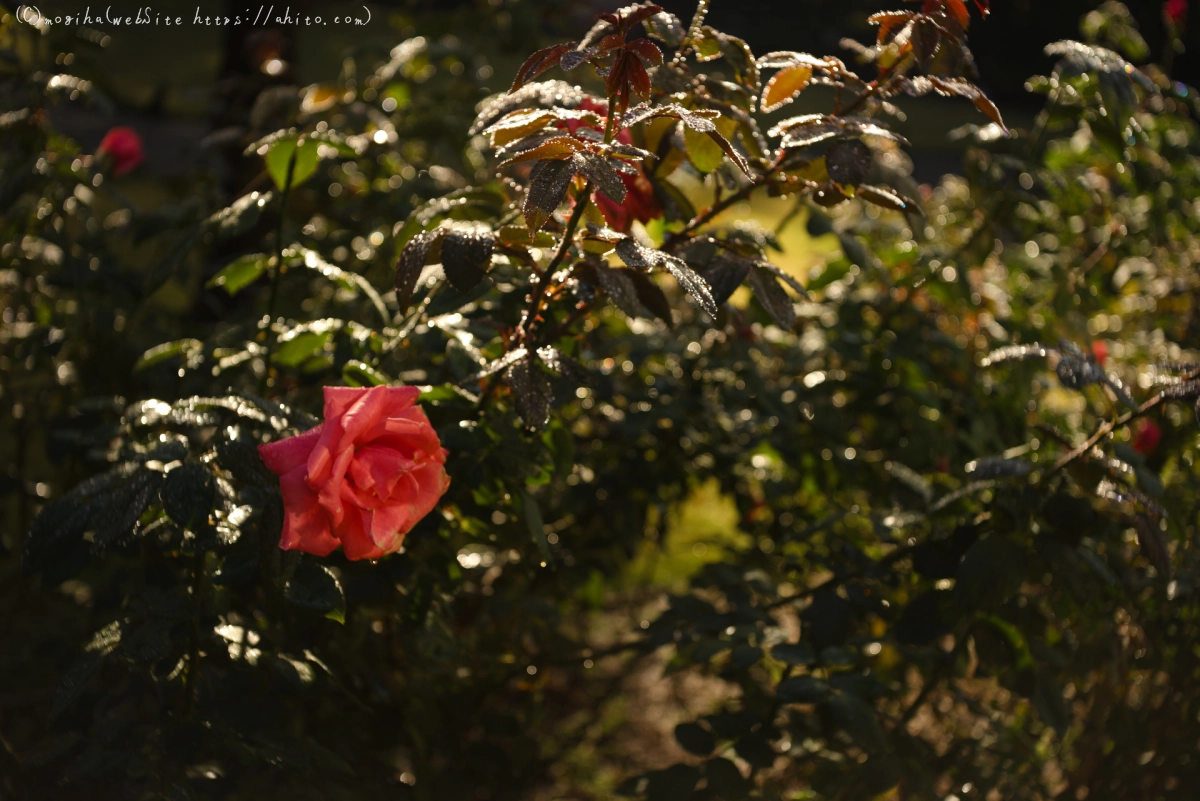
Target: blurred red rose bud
pixel 1175 10
pixel 1100 351
pixel 1148 435
pixel 123 147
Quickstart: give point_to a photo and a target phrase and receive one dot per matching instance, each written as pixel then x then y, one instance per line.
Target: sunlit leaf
pixel 784 87
pixel 240 273
pixel 279 160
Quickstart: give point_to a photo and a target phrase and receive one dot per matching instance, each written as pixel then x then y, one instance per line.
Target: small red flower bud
pixel 123 147
pixel 1175 11
pixel 1148 435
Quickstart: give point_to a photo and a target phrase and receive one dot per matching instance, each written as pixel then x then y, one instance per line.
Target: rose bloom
pixel 363 478
pixel 124 147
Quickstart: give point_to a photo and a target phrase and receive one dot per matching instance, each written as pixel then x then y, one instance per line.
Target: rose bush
pixel 362 478
pixel 911 514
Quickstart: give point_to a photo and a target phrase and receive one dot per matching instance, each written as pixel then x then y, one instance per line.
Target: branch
pixel 543 283
pixel 1110 426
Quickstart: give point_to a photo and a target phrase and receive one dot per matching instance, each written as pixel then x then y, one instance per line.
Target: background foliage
pixel 922 529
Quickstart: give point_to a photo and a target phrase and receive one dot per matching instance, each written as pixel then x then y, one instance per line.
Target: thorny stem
pixel 191 674
pixel 581 201
pixel 274 294
pixel 539 289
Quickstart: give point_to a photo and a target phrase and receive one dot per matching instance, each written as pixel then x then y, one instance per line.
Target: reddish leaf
pixel 888 22
pixel 724 274
pixel 556 149
pixel 531 392
pixel 647 51
pixel 959 9
pixel 631 16
pixel 538 63
pixel 639 79
pixel 574 58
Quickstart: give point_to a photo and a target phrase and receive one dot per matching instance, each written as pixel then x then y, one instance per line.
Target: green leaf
pixel 241 273
pixel 704 153
pixel 117 511
pixel 676 783
pixel 757 750
pixel 168 350
pixel 302 346
pixel 695 739
pixel 313 586
pixel 744 656
pixel 537 528
pixel 725 779
pixel 467 254
pixel 360 374
pixel 795 653
pixel 773 298
pixel 76 679
pixel 857 718
pixel 801 690
pixel 240 216
pixel 279 155
pixel 991 571
pixel 1048 700
pixel 187 495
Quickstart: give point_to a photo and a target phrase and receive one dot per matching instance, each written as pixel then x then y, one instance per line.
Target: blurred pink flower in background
pixel 1175 10
pixel 123 147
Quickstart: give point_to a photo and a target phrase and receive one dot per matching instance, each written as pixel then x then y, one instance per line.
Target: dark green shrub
pixel 960 450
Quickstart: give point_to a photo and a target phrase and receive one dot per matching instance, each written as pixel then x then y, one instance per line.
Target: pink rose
pixel 124 147
pixel 363 478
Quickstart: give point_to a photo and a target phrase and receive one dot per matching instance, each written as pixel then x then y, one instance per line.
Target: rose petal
pixel 353 532
pixel 377 469
pixel 284 455
pixel 331 491
pixel 305 524
pixel 389 524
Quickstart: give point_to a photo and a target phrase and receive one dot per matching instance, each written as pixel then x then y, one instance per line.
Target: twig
pixel 274 294
pixel 1110 426
pixel 543 283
